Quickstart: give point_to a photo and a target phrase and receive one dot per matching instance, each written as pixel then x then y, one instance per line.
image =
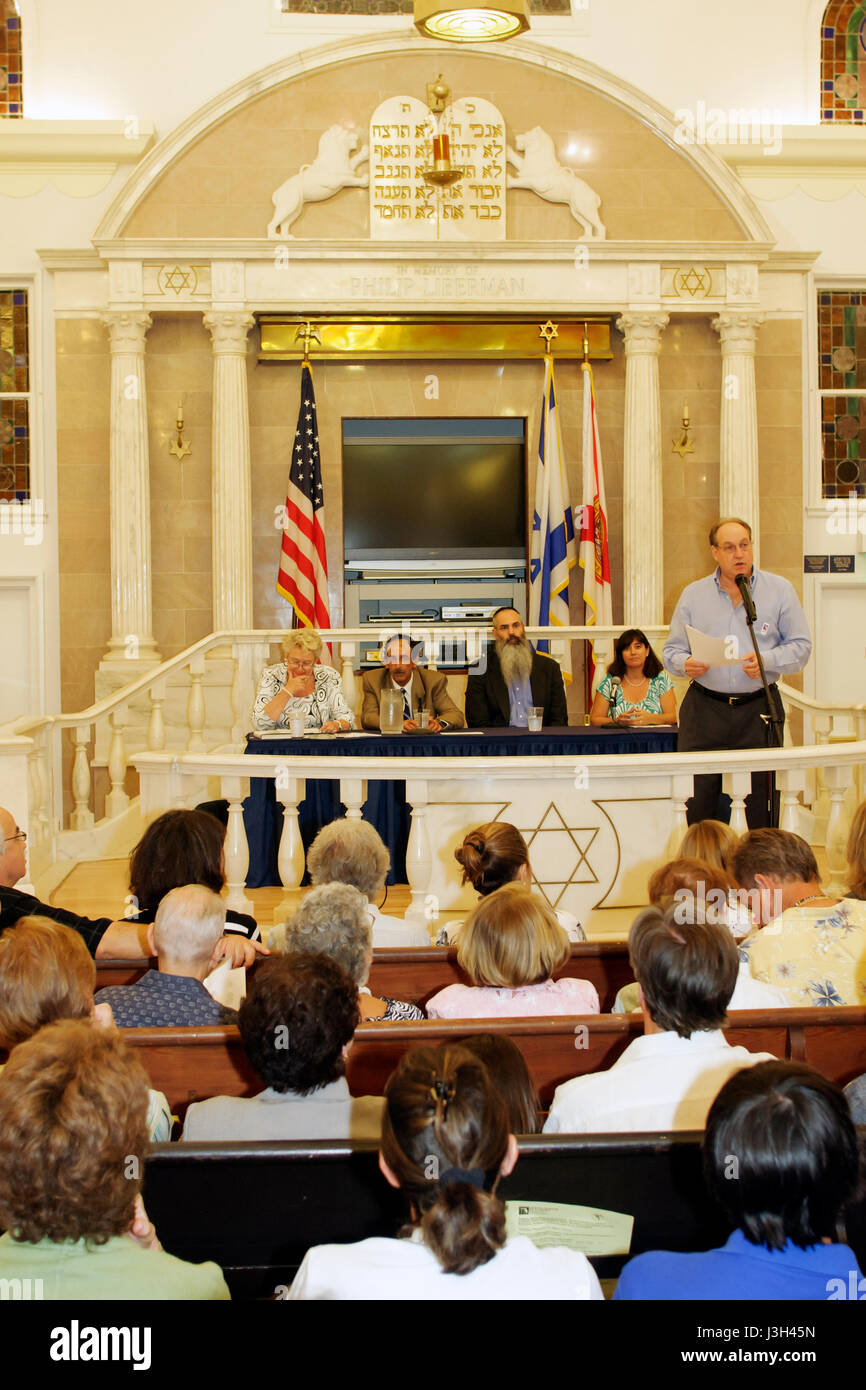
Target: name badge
pixel 765 628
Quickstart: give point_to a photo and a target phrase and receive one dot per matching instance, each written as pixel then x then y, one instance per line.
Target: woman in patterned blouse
pixel 636 690
pixel 333 920
pixel 299 685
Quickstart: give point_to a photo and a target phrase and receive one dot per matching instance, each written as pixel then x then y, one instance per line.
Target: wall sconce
pixel 683 445
pixel 180 447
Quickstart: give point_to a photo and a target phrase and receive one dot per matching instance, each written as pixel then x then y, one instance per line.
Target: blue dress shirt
pixel 159 1000
pixel 743 1272
pixel 781 630
pixel 519 700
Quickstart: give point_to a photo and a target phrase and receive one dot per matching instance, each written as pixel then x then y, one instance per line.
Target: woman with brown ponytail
pixel 445 1144
pixel 491 856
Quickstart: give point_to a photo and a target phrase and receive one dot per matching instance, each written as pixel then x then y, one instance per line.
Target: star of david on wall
pixel 693 281
pixel 574 855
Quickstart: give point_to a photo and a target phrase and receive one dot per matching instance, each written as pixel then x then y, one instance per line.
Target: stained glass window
pixel 842 383
pixel 843 61
pixel 14 397
pixel 10 59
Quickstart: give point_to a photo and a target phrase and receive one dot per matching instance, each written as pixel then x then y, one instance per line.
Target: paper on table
pixel 590 1229
pixel 714 651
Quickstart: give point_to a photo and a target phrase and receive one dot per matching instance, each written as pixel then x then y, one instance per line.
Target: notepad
pixel 591 1230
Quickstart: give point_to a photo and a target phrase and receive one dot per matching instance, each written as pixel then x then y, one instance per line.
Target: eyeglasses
pixel 19 835
pixel 730 549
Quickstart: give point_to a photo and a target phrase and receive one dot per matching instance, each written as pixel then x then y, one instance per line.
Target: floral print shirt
pixel 814 954
pixel 325 703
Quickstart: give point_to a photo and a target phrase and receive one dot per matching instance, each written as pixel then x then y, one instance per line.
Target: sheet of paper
pixel 590 1229
pixel 228 986
pixel 714 651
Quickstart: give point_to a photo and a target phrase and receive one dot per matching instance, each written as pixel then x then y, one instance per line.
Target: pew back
pixel 194 1063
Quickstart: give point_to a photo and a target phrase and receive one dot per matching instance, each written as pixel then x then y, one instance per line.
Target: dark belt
pixel 731 699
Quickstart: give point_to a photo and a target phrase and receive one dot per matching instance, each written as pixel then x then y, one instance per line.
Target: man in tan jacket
pixel 418 688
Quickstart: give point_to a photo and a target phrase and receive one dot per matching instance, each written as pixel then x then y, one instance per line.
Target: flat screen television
pixel 434 489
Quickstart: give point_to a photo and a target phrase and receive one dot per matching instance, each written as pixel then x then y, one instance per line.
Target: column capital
pixel 738 330
pixel 228 329
pixel 642 329
pixel 127 329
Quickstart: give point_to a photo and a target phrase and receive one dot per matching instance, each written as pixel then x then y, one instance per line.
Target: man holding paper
pixel 710 641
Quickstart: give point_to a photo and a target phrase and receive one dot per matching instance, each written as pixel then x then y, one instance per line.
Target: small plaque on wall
pixel 841 564
pixel 816 564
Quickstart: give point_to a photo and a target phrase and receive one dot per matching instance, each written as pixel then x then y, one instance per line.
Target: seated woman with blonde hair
pixel 492 855
pixel 299 684
pixel 511 946
pixel 714 843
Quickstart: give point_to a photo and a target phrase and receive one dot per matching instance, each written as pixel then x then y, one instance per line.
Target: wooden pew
pixel 300 1194
pixel 194 1063
pixel 416 973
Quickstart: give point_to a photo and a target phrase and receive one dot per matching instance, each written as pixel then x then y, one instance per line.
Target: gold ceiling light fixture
pixel 442 172
pixel 470 23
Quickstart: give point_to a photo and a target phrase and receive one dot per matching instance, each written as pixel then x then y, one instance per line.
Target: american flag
pixel 303 576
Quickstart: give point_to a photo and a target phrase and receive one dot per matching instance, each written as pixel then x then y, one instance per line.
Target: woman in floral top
pixel 635 690
pixel 298 685
pixel 809 945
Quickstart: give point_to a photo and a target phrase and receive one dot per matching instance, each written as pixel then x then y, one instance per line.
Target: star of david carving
pixel 179 279
pixel 693 281
pixel 581 837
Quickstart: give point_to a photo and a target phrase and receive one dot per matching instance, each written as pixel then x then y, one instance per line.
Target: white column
pixel 131 596
pixel 232 520
pixel 642 469
pixel 738 476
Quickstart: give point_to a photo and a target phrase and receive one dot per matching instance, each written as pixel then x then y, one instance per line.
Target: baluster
pixel 44 786
pixel 82 816
pixel 419 860
pixel 117 801
pixel 790 782
pixel 237 695
pixel 820 800
pixel 236 848
pixel 682 787
pixel 33 825
pixel 738 785
pixel 353 795
pixel 290 856
pixel 195 710
pixel 156 724
pixel 838 780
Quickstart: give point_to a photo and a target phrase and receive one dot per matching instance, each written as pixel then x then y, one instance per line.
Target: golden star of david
pixel 179 279
pixel 693 281
pixel 547 825
pixel 548 331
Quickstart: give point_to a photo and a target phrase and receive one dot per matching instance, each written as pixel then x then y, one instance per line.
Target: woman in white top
pixel 491 856
pixel 445 1144
pixel 299 685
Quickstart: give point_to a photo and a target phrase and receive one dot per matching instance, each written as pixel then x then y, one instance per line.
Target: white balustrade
pixel 838 780
pixel 82 816
pixel 738 785
pixel 195 709
pixel 419 859
pixel 156 723
pixel 290 857
pixel 236 850
pixel 117 801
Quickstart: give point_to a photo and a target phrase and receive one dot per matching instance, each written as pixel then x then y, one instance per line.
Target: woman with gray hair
pixel 353 852
pixel 300 685
pixel 333 921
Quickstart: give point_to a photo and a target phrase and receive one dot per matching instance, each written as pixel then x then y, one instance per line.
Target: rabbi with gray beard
pixel 515 678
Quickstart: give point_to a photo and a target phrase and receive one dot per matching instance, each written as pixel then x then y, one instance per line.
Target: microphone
pixel 742 584
pixel 615 690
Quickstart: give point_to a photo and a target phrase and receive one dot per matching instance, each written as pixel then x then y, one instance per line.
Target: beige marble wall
pixel 779 385
pixel 222 187
pixel 83 377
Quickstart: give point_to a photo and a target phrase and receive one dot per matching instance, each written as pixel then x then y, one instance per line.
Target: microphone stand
pixel 775 716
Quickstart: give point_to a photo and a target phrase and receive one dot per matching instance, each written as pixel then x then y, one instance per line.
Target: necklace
pixel 811 898
pixel 629 681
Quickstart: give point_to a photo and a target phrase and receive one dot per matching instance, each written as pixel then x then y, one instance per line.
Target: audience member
pixel 491 856
pixel 507 1065
pixel 445 1144
pixel 102 937
pixel 714 842
pixel 856 855
pixel 46 975
pixel 815 949
pixel 511 946
pixel 353 852
pixel 699 893
pixel 296 1025
pixel 185 938
pixel 182 847
pixel 780 1158
pixel 73 1137
pixel 333 920
pixel 668 1078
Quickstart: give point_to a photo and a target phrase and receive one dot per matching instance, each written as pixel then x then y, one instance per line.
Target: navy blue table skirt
pixel 385 806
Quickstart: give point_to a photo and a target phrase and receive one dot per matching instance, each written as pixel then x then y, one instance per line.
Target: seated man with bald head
pixel 184 938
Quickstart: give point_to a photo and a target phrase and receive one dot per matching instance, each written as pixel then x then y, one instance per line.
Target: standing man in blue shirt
pixel 724 704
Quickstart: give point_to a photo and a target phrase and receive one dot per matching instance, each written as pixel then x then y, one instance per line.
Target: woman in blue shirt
pixel 636 690
pixel 780 1157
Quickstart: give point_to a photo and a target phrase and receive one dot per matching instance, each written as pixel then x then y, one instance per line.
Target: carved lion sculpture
pixel 539 170
pixel 334 167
